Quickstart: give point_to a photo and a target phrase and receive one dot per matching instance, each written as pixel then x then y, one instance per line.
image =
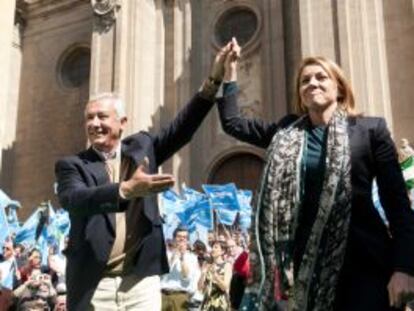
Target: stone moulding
pixel 105 14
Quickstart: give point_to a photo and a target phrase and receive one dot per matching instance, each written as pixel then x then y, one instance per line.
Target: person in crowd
pixel 211 237
pixel 200 250
pixel 239 279
pixel 316 235
pixel 180 283
pixel 19 254
pixel 8 265
pixel 57 268
pixel 215 280
pixel 110 192
pixel 60 304
pixel 36 293
pixel 233 251
pixel 6 295
pixel 34 262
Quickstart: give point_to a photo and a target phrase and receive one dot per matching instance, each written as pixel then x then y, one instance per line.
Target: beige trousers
pixel 127 293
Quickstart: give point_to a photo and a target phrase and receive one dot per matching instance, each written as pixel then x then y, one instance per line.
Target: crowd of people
pixel 30 283
pixel 209 275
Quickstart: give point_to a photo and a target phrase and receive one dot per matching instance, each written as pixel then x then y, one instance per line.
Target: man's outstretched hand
pixel 142 184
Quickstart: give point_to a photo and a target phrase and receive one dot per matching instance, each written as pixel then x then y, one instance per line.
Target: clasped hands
pixel 225 62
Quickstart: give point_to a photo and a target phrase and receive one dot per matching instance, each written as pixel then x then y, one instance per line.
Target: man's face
pixel 103 126
pixel 231 246
pixel 181 240
pixel 8 250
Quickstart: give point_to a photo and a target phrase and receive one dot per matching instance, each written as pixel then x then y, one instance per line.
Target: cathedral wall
pixel 52 96
pixel 399 39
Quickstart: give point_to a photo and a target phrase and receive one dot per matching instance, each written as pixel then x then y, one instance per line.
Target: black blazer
pixel 373 154
pixel 85 191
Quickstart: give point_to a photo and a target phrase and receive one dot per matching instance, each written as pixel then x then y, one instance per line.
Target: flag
pixel 245 197
pixel 204 214
pixel 407 167
pixel 11 215
pixel 222 196
pixel 4 228
pixel 171 203
pixel 191 194
pixel 6 201
pixel 7 280
pixel 27 232
pixel 223 199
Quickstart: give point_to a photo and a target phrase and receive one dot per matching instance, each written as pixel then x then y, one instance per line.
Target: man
pixel 6 295
pixel 116 249
pixel 181 283
pixel 8 265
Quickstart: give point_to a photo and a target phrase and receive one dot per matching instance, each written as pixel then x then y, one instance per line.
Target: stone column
pixel 363 54
pixel 7 13
pixel 352 34
pixel 128 58
pixel 317 28
pixel 104 45
pixel 178 47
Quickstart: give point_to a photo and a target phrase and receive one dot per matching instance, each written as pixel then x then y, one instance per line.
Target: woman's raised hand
pixel 232 58
pixel 217 71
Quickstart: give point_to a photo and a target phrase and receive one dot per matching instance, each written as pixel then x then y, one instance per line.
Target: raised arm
pixel 253 131
pixel 180 131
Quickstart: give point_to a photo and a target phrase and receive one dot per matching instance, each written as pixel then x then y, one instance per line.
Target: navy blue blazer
pixel 85 191
pixel 373 155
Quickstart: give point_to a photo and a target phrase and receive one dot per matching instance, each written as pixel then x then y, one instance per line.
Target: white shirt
pixel 174 281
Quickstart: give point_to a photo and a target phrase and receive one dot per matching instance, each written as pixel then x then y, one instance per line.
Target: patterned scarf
pixel 275 221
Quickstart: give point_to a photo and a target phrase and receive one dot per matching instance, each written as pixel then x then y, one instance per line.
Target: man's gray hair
pixel 114 98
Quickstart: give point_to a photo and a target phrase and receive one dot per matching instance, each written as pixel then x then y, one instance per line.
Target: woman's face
pixel 216 250
pixel 35 259
pixel 317 89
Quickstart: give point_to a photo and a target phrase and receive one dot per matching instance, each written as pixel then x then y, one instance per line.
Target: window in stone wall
pixel 75 67
pixel 239 22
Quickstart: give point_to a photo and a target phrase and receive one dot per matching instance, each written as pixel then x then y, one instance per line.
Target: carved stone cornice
pixel 105 14
pixel 20 14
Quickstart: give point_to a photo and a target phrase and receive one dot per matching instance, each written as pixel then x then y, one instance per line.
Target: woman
pixel 215 279
pixel 316 236
pixel 34 262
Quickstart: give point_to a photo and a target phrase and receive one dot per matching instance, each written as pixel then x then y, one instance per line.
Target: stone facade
pixel 156 53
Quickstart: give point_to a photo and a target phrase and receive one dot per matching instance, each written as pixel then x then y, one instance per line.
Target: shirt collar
pixel 112 155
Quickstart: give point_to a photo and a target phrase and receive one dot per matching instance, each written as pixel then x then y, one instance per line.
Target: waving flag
pixel 27 232
pixel 222 196
pixel 245 197
pixel 7 280
pixel 11 215
pixel 407 167
pixel 4 232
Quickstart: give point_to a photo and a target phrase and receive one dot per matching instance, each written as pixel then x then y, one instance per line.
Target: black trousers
pixel 363 290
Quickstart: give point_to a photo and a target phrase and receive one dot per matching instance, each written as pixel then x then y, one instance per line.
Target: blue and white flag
pixel 11 215
pixel 245 216
pixel 7 280
pixel 6 201
pixel 27 232
pixel 204 214
pixel 4 232
pixel 191 194
pixel 222 196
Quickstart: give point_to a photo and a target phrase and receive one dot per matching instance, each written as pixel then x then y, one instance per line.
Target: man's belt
pixel 174 292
